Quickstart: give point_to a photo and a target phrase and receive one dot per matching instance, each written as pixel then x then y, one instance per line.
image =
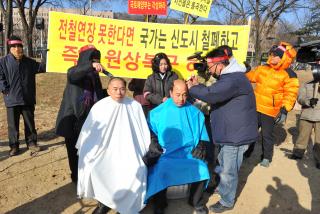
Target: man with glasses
pixel 276 93
pixel 233 120
pixel 18 85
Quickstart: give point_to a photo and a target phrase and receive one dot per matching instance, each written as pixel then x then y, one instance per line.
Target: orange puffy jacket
pixel 276 85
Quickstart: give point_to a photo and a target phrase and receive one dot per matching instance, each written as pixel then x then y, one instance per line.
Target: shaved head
pixel 180 84
pixel 117 88
pixel 179 92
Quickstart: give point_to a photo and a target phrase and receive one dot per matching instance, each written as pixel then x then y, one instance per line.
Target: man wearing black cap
pixel 233 120
pixel 18 85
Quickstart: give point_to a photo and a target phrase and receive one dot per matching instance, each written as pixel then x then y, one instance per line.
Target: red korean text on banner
pixel 148 7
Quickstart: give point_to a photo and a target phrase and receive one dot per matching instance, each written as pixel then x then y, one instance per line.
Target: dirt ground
pixel 41 183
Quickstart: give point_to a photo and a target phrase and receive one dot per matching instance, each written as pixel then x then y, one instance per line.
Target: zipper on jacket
pixel 273 100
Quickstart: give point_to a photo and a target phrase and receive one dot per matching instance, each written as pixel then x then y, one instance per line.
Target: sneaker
pixel 318 165
pixel 219 208
pixel 33 147
pixel 14 150
pixel 265 163
pixel 294 157
pixel 201 210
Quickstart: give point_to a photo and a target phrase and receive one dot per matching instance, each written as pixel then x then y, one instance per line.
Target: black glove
pixel 200 150
pixel 248 66
pixel 313 102
pixel 154 152
pixel 281 117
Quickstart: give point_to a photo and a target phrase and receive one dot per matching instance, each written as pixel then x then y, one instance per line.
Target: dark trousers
pixel 196 198
pixel 267 125
pixel 211 157
pixel 72 157
pixel 13 118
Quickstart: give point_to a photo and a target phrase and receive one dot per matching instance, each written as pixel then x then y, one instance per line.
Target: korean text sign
pixel 195 7
pixel 148 7
pixel 127 47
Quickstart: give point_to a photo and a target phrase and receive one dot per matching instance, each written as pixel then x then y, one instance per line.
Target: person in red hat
pixel 233 120
pixel 83 89
pixel 18 86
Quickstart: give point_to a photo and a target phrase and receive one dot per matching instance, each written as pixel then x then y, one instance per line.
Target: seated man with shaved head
pixel 178 131
pixel 112 142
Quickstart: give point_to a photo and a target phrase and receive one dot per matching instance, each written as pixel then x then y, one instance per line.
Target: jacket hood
pixel 287 58
pixel 233 67
pixel 86 56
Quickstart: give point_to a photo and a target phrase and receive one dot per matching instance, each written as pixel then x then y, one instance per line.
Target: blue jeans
pixel 230 159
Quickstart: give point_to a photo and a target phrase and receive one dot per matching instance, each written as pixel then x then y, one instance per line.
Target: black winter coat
pixel 18 80
pixel 155 88
pixel 73 112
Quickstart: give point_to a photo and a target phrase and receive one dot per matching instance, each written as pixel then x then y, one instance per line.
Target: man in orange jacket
pixel 276 92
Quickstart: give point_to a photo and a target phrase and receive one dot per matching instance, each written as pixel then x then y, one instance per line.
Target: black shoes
pixel 159 211
pixel 14 150
pixel 219 208
pixel 201 210
pixel 101 209
pixel 295 157
pixel 318 165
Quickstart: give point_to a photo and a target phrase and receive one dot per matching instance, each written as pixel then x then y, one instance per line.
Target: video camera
pixel 309 52
pixel 201 64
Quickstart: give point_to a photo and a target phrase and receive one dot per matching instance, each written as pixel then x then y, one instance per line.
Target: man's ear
pixel 170 93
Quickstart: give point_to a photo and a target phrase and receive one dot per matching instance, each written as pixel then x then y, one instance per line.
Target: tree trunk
pixel 257 46
pixel 29 42
pixel 8 26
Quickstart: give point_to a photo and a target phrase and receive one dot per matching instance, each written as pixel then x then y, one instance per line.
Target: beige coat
pixel 307 92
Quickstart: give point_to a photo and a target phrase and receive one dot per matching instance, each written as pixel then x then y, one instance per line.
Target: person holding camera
pixel 233 120
pixel 83 90
pixel 309 119
pixel 157 86
pixel 276 92
pixel 18 86
pixel 179 137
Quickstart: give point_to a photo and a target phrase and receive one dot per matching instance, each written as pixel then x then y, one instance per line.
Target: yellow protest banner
pixel 195 7
pixel 127 47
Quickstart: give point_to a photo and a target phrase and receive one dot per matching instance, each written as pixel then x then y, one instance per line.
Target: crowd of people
pixel 126 153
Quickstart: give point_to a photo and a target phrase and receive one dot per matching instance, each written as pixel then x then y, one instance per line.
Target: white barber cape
pixel 112 142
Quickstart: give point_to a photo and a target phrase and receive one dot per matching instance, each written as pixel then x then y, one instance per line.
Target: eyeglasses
pixel 273 55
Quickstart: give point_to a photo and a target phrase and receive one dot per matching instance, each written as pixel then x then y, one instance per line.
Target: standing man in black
pixel 18 86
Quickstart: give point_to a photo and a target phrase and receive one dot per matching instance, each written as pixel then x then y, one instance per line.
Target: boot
pixel 101 209
pixel 33 147
pixel 297 154
pixel 14 150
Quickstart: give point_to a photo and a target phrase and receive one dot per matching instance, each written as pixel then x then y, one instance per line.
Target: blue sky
pixel 122 6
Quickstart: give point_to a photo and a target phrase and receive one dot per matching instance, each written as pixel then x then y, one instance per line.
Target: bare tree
pixel 84 6
pixel 6 11
pixel 265 13
pixel 28 10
